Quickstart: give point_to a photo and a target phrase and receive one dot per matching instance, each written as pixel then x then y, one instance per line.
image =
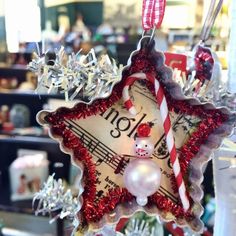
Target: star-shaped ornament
pixel 101 137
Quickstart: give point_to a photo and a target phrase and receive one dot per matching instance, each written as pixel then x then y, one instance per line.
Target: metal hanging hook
pixel 151 35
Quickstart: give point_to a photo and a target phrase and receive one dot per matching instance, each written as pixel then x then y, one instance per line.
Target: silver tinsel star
pixel 53 198
pixel 80 77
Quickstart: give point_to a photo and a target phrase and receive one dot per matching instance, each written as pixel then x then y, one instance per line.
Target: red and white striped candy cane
pixel 125 92
pixel 161 100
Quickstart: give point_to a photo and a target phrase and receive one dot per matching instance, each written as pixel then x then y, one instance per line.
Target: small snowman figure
pixel 142 176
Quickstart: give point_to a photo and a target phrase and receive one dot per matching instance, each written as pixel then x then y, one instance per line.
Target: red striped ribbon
pixel 153 13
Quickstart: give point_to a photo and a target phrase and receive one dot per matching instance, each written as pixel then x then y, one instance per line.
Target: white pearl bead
pixel 142 178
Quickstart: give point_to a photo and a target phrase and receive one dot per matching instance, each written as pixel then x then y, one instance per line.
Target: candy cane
pixel 125 93
pixel 161 100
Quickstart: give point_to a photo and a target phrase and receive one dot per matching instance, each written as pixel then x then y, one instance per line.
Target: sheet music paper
pixel 111 134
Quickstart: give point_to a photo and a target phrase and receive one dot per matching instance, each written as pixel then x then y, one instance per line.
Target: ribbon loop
pixel 152 13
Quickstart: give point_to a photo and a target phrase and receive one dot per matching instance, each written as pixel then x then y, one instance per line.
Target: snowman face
pixel 143 147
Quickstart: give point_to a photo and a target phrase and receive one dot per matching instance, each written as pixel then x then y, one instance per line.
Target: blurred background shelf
pixel 18 216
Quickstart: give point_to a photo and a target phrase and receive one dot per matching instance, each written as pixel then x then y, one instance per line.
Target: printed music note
pixel 92 145
pixel 99 162
pixel 121 165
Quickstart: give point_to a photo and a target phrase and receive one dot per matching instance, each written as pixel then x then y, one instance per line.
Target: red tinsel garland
pixel 92 211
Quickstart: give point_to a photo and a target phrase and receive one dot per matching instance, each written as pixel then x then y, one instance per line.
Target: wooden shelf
pixel 26 139
pixel 17 72
pixel 29 94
